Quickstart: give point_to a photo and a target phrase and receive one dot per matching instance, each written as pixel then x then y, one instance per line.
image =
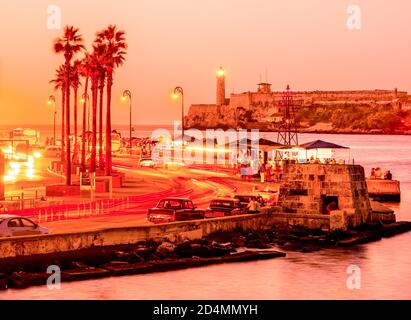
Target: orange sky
pixel 182 42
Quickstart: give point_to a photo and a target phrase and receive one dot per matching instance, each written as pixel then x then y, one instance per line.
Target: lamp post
pixel 179 92
pixel 127 94
pixel 52 100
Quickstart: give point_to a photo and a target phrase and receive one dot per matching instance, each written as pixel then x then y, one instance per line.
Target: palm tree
pixel 75 83
pixel 102 79
pixel 69 44
pixel 99 54
pixel 114 43
pixel 85 71
pixel 60 84
pixel 94 75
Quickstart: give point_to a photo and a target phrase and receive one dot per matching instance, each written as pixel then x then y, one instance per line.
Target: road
pixel 201 186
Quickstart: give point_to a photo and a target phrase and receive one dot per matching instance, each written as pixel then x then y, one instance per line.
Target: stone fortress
pixel 316 196
pixel 253 109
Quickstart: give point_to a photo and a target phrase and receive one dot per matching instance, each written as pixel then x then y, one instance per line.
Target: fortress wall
pixel 196 109
pixel 305 187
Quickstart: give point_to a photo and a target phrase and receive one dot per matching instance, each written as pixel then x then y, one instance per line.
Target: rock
pixel 78 265
pixel 257 244
pixel 221 249
pixel 253 256
pixel 121 254
pixel 85 274
pixel 184 249
pixel 136 258
pixel 116 263
pixel 144 251
pixel 201 250
pixel 239 241
pixel 3 281
pixel 165 248
pixel 292 246
pixel 393 229
pixel 280 242
pixel 23 279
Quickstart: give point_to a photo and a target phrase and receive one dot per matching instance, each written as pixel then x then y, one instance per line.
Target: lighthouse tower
pixel 220 87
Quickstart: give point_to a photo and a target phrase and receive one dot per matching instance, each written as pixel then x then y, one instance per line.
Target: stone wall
pixel 306 188
pixel 265 105
pixel 35 245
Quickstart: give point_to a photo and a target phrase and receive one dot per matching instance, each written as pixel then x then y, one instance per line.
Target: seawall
pixel 173 232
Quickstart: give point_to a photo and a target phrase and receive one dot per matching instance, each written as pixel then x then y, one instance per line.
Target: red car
pixel 174 209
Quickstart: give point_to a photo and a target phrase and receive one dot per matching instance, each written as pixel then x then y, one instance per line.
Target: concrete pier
pixel 384 190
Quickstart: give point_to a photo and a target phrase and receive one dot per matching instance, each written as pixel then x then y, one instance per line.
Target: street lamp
pixel 127 94
pixel 52 101
pixel 179 92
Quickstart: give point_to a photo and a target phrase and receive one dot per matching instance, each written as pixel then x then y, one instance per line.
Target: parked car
pixel 15 226
pixel 52 152
pixel 147 163
pixel 174 209
pixel 270 196
pixel 246 198
pixel 224 207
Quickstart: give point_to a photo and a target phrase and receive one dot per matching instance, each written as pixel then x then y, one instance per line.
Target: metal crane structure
pixel 288 128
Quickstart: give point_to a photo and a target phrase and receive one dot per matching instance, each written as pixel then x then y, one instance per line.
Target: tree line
pixel 94 69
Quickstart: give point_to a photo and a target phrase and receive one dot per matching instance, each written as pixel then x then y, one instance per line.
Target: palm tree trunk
pixel 68 149
pixel 94 91
pixel 75 127
pixel 63 118
pixel 83 136
pixel 101 156
pixel 108 124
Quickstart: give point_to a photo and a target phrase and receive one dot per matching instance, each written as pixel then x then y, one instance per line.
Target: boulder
pixel 165 248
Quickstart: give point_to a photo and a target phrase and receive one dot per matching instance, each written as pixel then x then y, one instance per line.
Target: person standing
pixel 253 206
pixel 262 172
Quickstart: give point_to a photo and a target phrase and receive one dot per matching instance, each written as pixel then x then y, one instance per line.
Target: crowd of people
pixel 377 173
pixel 265 171
pixel 142 146
pixel 270 172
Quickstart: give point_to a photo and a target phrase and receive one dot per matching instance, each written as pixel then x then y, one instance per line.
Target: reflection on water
pixel 385 265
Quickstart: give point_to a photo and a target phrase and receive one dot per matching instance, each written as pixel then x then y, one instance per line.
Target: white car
pixel 147 163
pixel 15 226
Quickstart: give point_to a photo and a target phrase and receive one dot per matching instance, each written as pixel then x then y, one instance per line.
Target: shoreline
pixel 306 131
pixel 161 256
pixel 262 128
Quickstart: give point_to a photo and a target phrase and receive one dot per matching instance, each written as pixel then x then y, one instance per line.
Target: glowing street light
pixel 52 101
pixel 179 92
pixel 127 94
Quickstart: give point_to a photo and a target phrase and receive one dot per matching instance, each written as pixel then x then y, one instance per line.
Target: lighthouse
pixel 220 87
